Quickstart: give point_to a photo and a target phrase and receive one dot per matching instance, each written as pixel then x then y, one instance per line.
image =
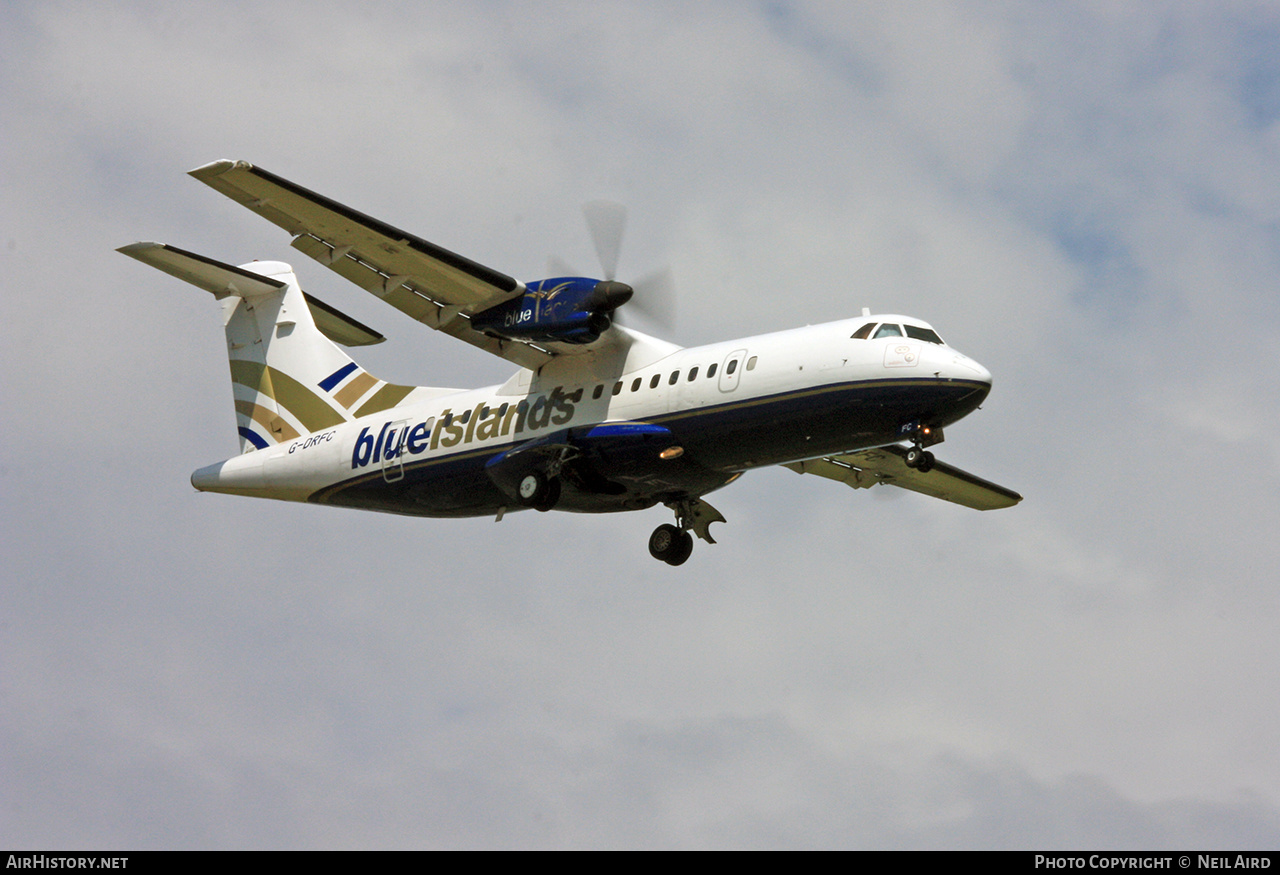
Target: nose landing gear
pixel 918 457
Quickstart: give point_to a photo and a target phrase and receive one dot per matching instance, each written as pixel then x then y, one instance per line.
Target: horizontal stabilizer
pixel 339 327
pixel 223 280
pixel 888 465
pixel 205 273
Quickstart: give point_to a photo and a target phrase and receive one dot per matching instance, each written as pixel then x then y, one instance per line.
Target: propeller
pixel 655 298
pixel 654 293
pixel 606 221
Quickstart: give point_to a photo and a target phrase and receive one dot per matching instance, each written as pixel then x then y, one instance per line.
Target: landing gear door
pixel 731 370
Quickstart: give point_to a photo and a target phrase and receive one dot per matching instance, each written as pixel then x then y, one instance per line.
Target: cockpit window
pixel 864 332
pixel 926 334
pixel 888 330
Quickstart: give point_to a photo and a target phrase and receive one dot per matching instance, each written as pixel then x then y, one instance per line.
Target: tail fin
pixel 289 377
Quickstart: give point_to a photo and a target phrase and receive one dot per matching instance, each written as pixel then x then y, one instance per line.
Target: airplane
pixel 599 417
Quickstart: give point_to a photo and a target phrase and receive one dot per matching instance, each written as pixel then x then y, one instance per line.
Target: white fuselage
pixel 731 376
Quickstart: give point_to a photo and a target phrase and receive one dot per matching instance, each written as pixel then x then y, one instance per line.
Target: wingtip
pixel 133 250
pixel 216 168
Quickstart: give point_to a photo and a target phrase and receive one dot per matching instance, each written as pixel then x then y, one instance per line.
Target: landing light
pixel 671 453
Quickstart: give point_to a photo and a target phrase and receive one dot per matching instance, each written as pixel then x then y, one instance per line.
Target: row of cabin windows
pixel 674 378
pixel 890 329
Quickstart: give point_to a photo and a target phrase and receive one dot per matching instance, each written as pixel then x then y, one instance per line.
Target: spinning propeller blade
pixel 606 221
pixel 654 298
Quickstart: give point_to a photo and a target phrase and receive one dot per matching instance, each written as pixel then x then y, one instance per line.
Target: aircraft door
pixel 731 370
pixel 393 455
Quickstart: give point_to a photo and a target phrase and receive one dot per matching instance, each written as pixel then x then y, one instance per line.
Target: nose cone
pixel 983 374
pixel 958 366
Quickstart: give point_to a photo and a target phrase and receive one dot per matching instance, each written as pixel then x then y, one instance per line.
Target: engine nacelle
pixel 565 309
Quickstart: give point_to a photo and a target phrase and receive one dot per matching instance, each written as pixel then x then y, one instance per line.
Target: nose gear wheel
pixel 920 459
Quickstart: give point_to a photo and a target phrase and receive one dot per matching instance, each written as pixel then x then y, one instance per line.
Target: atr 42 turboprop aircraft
pixel 599 417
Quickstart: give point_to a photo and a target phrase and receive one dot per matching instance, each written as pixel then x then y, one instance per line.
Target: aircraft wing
pixel 430 284
pixel 866 468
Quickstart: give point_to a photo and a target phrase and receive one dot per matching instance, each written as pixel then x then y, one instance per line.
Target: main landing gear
pixel 539 491
pixel 670 545
pixel 673 544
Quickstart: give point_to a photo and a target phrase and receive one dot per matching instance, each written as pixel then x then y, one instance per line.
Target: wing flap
pixel 866 468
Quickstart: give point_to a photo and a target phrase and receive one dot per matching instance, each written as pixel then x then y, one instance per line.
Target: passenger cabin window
pixel 925 334
pixel 888 330
pixel 751 363
pixel 597 392
pixel 617 387
pixel 693 374
pixel 711 371
pixel 653 381
pixel 635 385
pixel 731 367
pixel 864 332
pixel 675 378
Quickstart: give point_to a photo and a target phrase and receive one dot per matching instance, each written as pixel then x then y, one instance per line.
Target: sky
pixel 1083 196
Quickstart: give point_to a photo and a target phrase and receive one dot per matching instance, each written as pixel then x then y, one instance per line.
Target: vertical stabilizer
pixel 284 372
pixel 289 379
